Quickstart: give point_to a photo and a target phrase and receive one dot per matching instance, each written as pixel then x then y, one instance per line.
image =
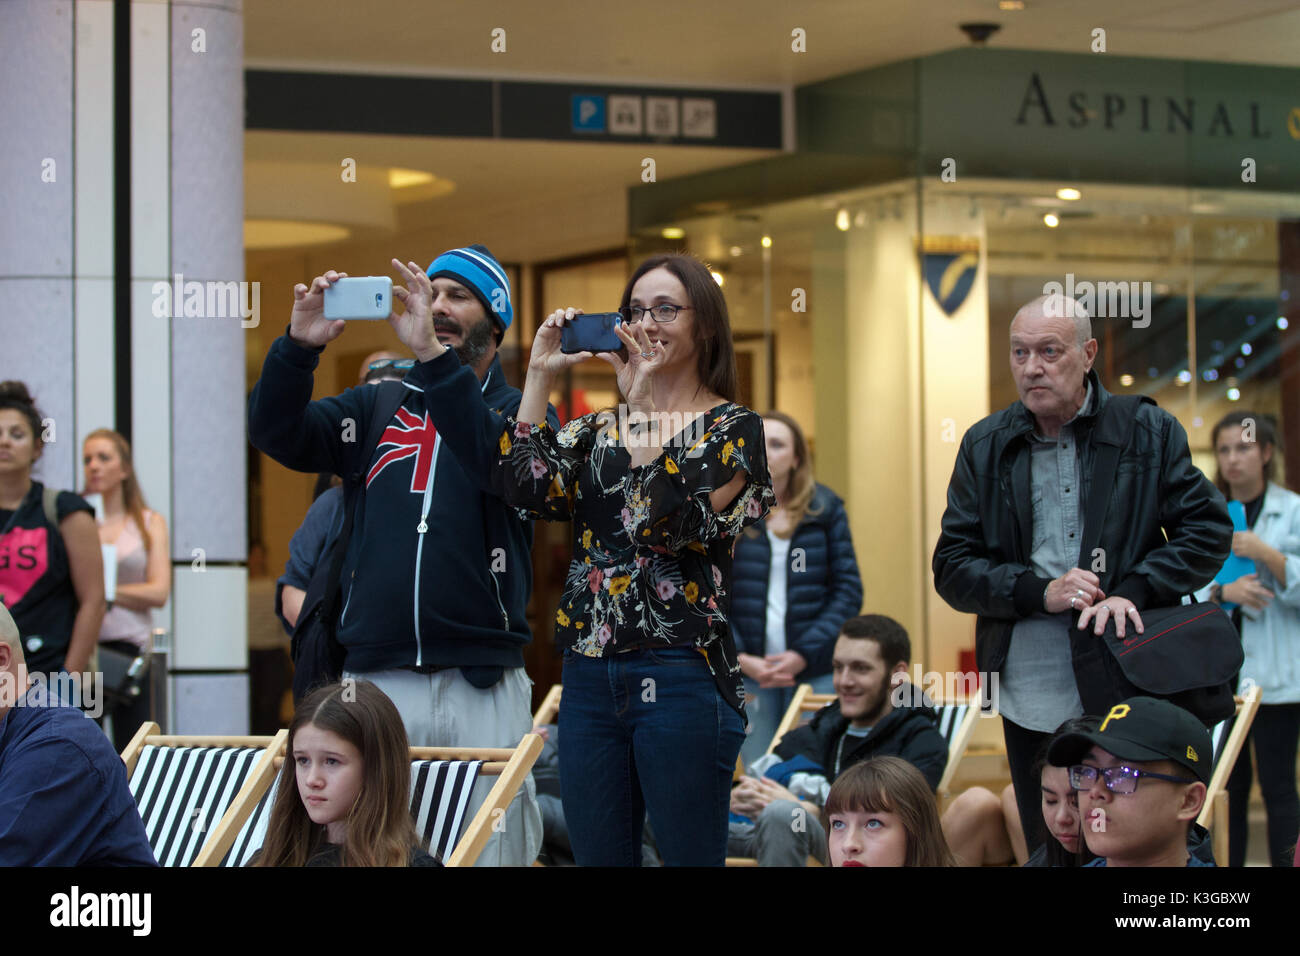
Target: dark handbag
pixel 318 657
pixel 124 676
pixel 1188 654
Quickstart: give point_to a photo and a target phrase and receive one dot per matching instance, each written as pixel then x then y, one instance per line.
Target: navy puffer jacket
pixel 823 588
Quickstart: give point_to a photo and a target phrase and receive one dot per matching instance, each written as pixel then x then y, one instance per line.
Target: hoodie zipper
pixel 420 530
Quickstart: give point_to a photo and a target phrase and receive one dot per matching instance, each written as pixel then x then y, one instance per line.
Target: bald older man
pixel 64 799
pixel 1011 535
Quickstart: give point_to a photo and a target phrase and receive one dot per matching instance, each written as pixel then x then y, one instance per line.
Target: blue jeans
pixel 646 732
pixel 766 710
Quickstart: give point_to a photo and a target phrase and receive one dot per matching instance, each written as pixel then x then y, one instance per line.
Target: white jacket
pixel 1271 638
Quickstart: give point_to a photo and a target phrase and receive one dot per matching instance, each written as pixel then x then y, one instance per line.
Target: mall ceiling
pixel 544 200
pixel 737 42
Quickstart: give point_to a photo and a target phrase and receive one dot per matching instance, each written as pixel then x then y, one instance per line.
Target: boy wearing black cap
pixel 1141 778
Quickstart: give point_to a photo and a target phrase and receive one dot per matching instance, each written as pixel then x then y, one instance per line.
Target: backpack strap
pixel 50 501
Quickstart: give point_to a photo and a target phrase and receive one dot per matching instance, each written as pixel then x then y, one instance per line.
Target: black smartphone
pixel 591 332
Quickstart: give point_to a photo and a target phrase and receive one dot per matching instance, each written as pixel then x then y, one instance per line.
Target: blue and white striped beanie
pixel 478 270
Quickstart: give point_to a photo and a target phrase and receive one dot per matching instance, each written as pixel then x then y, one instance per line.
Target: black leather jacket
pixel 1166 533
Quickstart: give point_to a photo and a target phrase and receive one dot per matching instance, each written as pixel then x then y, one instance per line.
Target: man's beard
pixel 475 343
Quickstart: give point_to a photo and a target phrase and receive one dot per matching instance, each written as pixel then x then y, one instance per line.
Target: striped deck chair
pixel 185 786
pixel 1227 737
pixel 442 781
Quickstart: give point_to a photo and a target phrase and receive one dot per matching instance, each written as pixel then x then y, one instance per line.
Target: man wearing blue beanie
pixel 437 574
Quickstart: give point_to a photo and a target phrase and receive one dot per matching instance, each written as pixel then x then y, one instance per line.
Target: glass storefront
pixel 878 318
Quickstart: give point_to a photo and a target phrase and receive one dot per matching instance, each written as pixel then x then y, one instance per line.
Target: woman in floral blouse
pixel 652 717
pixel 653 710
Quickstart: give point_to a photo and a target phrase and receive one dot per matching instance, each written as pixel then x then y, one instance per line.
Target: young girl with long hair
pixel 343 796
pixel 881 812
pixel 139 540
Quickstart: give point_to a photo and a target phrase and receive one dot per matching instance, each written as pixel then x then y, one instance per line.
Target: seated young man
pixel 876 713
pixel 1141 778
pixel 64 800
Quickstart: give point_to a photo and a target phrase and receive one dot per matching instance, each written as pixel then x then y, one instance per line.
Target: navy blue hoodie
pixel 454 595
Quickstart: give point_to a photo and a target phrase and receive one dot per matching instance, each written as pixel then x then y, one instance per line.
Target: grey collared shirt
pixel 1036 688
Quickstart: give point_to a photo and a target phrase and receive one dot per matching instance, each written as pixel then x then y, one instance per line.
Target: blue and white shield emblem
pixel 949 265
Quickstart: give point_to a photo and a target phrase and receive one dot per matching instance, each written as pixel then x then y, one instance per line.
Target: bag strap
pixel 1116 419
pixel 50 501
pixel 386 404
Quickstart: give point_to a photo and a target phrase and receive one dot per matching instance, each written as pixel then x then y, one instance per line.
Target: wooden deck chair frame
pixel 259 777
pixel 510 765
pixel 1214 815
pixel 549 707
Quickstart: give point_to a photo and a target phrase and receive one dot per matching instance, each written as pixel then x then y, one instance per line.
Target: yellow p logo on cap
pixel 1118 712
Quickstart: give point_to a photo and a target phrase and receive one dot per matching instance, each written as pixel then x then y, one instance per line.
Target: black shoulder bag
pixel 1188 654
pixel 317 655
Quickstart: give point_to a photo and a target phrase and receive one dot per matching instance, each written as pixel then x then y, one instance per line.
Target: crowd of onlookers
pixel 710 575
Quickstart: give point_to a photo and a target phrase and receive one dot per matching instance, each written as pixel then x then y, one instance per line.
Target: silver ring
pixel 1132 610
pixel 1080 593
pixel 1072 600
pixel 650 354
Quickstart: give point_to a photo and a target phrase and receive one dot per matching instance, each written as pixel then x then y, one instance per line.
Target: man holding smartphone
pixel 438 571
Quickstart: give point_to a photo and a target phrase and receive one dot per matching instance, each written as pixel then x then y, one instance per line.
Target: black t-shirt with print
pixel 35 582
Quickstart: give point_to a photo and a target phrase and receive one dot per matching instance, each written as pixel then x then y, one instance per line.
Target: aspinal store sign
pixel 1102 117
pixel 1073 116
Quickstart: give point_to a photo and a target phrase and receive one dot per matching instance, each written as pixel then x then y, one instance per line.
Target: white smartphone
pixel 359 297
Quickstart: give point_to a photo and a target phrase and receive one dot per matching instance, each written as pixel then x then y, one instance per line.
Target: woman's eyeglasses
pixel 662 313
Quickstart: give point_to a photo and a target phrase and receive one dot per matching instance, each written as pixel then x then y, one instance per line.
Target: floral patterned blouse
pixel 651 559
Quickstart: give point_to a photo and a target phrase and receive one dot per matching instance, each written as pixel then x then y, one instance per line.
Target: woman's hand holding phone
pixel 635 372
pixel 546 358
pixel 307 323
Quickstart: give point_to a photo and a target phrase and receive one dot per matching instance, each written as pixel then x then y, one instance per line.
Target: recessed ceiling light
pixel 735 251
pixel 1051 220
pixel 673 232
pixel 718 277
pixel 767 242
pixel 401 178
pixel 842 220
pixel 1126 380
pixel 286 233
pixel 1068 193
pixel 1011 4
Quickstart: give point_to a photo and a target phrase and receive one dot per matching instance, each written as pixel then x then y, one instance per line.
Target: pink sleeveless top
pixel 121 623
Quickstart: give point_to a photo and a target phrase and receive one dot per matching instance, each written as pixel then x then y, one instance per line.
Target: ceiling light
pixel 401 178
pixel 1051 221
pixel 1011 4
pixel 1234 394
pixel 735 251
pixel 860 219
pixel 1126 380
pixel 1068 193
pixel 286 233
pixel 717 277
pixel 767 242
pixel 1184 377
pixel 842 220
pixel 673 232
pixel 1282 323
